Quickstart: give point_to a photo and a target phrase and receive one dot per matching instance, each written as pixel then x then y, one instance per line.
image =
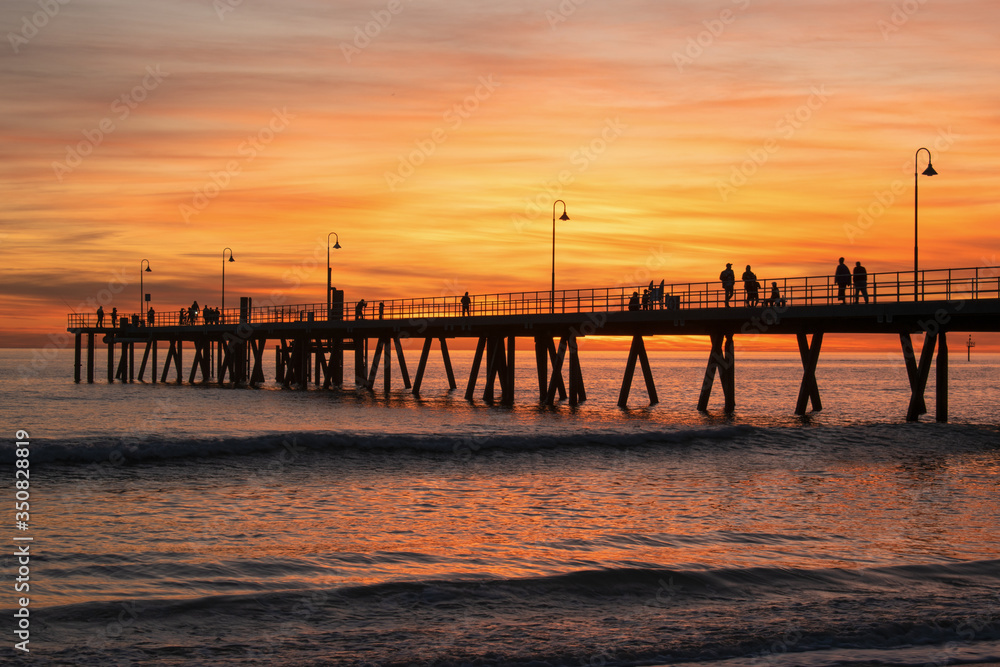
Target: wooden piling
pixel 90 358
pixel 942 378
pixel 77 349
pixel 808 388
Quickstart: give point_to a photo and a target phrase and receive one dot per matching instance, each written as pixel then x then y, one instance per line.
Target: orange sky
pixel 433 138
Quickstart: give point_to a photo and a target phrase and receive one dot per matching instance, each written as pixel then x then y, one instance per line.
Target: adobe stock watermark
pixel 900 16
pixel 580 158
pixel 121 108
pixel 453 119
pixel 714 28
pixel 786 128
pixel 882 200
pixel 565 9
pixel 365 34
pixel 31 25
pixel 247 151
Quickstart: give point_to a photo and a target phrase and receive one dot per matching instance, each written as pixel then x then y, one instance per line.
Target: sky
pixel 433 137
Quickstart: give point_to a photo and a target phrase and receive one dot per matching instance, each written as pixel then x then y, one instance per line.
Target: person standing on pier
pixel 381 309
pixel 150 316
pixel 843 279
pixel 466 305
pixel 728 279
pixel 100 316
pixel 359 310
pixel 860 282
pixel 750 287
pixel 114 318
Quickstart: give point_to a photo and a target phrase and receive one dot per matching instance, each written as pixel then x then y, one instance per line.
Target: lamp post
pixel 929 171
pixel 223 313
pixel 329 286
pixel 142 292
pixel 552 298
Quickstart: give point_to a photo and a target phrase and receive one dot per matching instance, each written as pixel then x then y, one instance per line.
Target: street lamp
pixel 329 286
pixel 929 171
pixel 224 279
pixel 142 312
pixel 552 298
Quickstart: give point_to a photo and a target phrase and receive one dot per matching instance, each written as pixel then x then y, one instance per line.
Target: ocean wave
pixel 153 448
pixel 912 614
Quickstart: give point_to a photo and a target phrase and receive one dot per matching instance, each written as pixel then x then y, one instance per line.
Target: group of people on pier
pixel 751 288
pixel 651 297
pixel 845 277
pixel 123 321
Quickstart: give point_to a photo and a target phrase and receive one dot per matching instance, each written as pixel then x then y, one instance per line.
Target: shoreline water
pixel 206 525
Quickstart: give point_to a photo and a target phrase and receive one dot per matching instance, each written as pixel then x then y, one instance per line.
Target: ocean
pixel 204 525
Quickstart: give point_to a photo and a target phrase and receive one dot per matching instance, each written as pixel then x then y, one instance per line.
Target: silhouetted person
pixel 775 298
pixel 359 310
pixel 100 316
pixel 193 313
pixel 114 318
pixel 466 304
pixel 645 299
pixel 728 279
pixel 150 316
pixel 182 316
pixel 843 279
pixel 633 302
pixel 860 282
pixel 750 287
pixel 381 309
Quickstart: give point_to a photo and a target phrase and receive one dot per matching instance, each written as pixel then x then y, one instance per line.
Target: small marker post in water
pixel 969 344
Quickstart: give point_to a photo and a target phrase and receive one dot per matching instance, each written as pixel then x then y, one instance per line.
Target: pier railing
pixel 932 285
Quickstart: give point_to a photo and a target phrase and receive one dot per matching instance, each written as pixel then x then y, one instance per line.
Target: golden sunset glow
pixel 434 137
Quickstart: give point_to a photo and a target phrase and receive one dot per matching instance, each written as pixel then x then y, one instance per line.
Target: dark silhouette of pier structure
pixel 312 341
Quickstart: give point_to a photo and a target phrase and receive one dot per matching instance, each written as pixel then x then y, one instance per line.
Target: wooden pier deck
pixel 311 339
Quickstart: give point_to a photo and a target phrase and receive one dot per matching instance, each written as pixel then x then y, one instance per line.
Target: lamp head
pixel 148 270
pixel 564 216
pixel 231 257
pixel 929 171
pixel 336 245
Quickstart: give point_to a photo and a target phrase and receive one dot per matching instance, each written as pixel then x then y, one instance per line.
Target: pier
pixel 313 342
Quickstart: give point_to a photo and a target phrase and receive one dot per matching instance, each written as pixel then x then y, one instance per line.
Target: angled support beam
pixel 447 363
pixel 122 373
pixel 257 346
pixel 910 359
pixel 376 358
pixel 809 389
pixel 156 345
pixel 425 352
pixel 477 360
pixel 560 386
pixel 637 352
pixel 402 362
pixel 496 368
pixel 556 381
pixel 716 358
pixel 111 360
pixel 145 357
pixel 923 371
